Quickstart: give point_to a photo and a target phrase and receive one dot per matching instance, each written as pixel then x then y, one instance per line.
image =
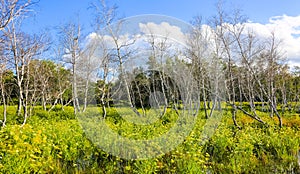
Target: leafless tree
pixel 159 52
pixel 273 56
pixel 120 49
pixel 225 41
pixel 204 55
pixel 70 39
pixel 12 9
pixel 104 73
pixel 88 66
pixel 3 70
pixel 240 52
pixel 22 49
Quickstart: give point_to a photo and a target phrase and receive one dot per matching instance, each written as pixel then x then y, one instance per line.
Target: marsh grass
pixel 55 142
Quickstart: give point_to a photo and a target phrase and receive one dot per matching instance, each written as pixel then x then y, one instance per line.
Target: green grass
pixel 56 143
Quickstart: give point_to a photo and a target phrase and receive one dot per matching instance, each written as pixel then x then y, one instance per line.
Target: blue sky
pixel 283 15
pixel 50 13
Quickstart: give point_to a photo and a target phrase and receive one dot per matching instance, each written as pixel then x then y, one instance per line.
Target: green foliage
pixel 56 114
pixel 54 142
pixel 43 147
pixel 254 150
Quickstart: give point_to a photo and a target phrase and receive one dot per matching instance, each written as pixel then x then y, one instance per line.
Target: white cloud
pixel 163 29
pixel 287 29
pixel 176 39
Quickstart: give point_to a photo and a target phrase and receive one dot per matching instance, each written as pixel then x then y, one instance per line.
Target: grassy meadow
pixel 55 142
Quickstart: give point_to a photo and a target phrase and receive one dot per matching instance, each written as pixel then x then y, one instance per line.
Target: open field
pixel 56 143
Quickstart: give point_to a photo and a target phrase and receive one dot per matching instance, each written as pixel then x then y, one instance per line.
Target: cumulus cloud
pixel 163 29
pixel 160 31
pixel 287 29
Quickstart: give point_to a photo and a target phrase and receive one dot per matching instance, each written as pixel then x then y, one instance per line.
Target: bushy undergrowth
pixel 54 142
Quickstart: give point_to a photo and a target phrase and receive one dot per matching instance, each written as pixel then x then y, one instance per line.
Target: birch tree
pixel 70 39
pixel 12 9
pixel 88 67
pixel 120 46
pixel 3 70
pixel 22 49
